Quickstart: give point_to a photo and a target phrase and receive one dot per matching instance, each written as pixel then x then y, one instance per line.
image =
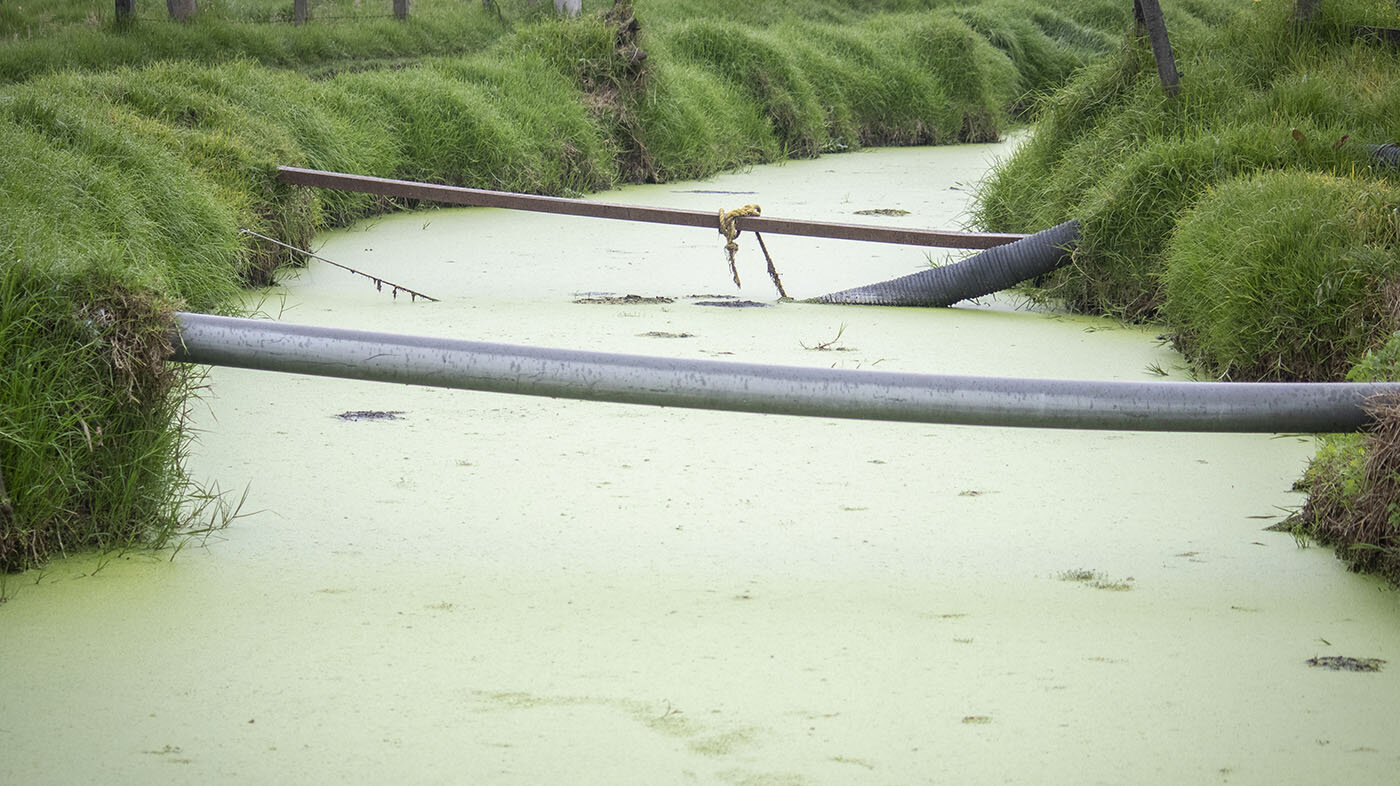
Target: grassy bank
pixel 134 157
pixel 42 38
pixel 1249 214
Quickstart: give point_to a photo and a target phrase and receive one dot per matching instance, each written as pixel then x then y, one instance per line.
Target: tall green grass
pixel 1259 93
pixel 92 263
pixel 90 457
pixel 229 31
pixel 1285 275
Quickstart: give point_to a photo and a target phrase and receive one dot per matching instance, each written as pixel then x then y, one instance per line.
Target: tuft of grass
pixel 93 443
pixel 756 63
pixel 694 124
pixel 50 37
pixel 1284 275
pixel 1128 162
pixel 1354 495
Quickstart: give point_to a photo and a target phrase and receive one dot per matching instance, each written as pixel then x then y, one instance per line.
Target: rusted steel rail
pixel 476 197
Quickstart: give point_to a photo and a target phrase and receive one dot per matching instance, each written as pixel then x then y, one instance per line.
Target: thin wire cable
pixel 378 282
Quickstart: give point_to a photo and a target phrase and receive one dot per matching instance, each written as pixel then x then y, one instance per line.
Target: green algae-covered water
pixel 494 589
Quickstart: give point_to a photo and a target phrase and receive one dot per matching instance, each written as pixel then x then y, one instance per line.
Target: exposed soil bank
pixel 512 590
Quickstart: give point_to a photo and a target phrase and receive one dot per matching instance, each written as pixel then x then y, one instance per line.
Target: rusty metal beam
pixel 476 197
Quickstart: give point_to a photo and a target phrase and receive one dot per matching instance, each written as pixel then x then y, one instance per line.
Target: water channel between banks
pixel 493 589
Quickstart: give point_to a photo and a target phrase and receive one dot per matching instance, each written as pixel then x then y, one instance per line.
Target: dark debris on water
pixel 732 303
pixel 356 415
pixel 1343 663
pixel 624 300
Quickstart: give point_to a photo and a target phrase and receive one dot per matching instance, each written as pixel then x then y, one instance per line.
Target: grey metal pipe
pixel 786 390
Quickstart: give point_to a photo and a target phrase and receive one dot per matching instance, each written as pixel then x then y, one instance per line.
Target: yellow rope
pixel 728 226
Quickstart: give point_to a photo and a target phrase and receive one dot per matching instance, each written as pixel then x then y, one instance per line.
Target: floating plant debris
pixel 624 300
pixel 1343 663
pixel 370 414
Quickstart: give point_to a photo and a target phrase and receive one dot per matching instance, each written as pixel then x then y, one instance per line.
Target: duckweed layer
pixel 1250 214
pixel 136 154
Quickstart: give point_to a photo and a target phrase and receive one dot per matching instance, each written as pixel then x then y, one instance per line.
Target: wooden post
pixel 126 9
pixel 301 11
pixel 1148 14
pixel 7 510
pixel 182 10
pixel 400 9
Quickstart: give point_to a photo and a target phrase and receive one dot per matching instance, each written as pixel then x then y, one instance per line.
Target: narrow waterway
pixel 477 588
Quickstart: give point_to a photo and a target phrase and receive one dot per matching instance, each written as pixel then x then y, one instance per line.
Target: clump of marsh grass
pixel 56 36
pixel 93 449
pixel 1284 276
pixel 757 64
pixel 1354 495
pixel 1351 478
pixel 1112 151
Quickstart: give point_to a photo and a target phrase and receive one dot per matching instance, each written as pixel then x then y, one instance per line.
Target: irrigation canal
pixel 445 586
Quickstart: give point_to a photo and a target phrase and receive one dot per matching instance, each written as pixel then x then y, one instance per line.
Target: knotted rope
pixel 729 227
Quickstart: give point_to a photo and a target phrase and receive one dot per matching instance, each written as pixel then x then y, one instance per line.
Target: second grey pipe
pixel 784 390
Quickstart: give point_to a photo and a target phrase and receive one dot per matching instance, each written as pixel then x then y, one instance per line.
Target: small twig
pixel 670 710
pixel 378 282
pixel 772 271
pixel 830 346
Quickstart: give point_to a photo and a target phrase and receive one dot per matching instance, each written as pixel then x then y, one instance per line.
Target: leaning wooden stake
pixel 182 10
pixel 1148 14
pixel 6 509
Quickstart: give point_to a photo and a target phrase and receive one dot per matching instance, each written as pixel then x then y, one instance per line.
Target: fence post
pixel 126 9
pixel 182 10
pixel 400 9
pixel 7 510
pixel 1148 14
pixel 301 11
